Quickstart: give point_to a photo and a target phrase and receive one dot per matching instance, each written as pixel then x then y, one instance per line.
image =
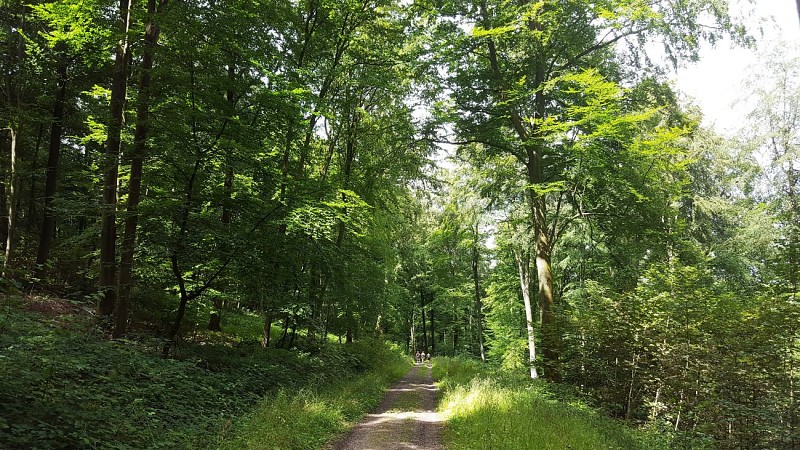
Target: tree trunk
pixel 350 326
pixel 176 326
pixel 433 333
pixel 546 297
pixel 294 331
pixel 135 184
pixel 412 334
pixel 285 330
pixel 31 213
pixel 408 336
pixel 267 332
pixel 51 173
pixel 214 319
pixel 108 226
pixel 3 207
pixel 544 246
pixel 424 325
pixel 534 165
pixel 477 283
pixel 523 267
pixel 15 98
pixel 12 200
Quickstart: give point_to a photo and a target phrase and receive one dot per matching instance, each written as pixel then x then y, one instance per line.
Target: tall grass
pixel 309 418
pixel 493 410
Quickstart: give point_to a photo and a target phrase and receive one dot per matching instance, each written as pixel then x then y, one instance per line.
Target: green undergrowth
pixel 64 384
pixel 489 409
pixel 308 419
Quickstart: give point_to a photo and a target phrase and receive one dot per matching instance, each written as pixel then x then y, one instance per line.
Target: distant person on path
pixel 416 357
pixel 428 357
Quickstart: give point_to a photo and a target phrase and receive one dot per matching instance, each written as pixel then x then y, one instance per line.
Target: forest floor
pixel 65 384
pixel 406 418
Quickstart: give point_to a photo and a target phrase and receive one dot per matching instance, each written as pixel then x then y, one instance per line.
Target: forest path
pixel 406 418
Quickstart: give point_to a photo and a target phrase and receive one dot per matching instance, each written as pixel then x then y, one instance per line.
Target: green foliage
pixel 488 409
pixel 81 390
pixel 309 418
pixel 288 172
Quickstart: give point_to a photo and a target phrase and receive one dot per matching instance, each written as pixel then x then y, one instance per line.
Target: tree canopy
pixel 512 181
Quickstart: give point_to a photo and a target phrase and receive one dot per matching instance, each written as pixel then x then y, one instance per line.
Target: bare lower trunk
pixel 349 336
pixel 433 332
pixel 285 331
pixel 412 336
pixel 294 332
pixel 30 215
pixel 477 284
pixel 135 183
pixel 523 267
pixel 12 200
pixel 51 174
pixel 215 320
pixel 544 271
pixel 172 337
pixel 267 332
pixel 424 325
pixel 108 217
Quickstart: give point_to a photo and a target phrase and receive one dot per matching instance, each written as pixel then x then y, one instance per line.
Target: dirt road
pixel 405 419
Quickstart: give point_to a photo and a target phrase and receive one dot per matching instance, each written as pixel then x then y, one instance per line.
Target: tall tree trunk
pixel 15 99
pixel 30 215
pixel 534 165
pixel 544 244
pixel 433 332
pixel 545 292
pixel 108 216
pixel 215 319
pixel 412 334
pixel 350 154
pixel 478 294
pixel 523 267
pixel 151 33
pixel 3 206
pixel 424 326
pixel 410 331
pixel 12 200
pixel 51 173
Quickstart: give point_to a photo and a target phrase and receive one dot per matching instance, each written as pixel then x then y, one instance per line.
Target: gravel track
pixel 406 418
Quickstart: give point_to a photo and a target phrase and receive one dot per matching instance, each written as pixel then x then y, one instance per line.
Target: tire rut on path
pixel 406 418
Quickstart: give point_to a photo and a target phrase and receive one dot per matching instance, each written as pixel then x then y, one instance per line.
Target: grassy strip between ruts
pixel 308 419
pixel 495 410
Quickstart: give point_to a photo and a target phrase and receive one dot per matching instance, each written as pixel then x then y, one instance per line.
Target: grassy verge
pixel 492 410
pixel 309 418
pixel 63 384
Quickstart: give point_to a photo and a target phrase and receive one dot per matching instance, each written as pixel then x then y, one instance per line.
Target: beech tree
pixel 511 77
